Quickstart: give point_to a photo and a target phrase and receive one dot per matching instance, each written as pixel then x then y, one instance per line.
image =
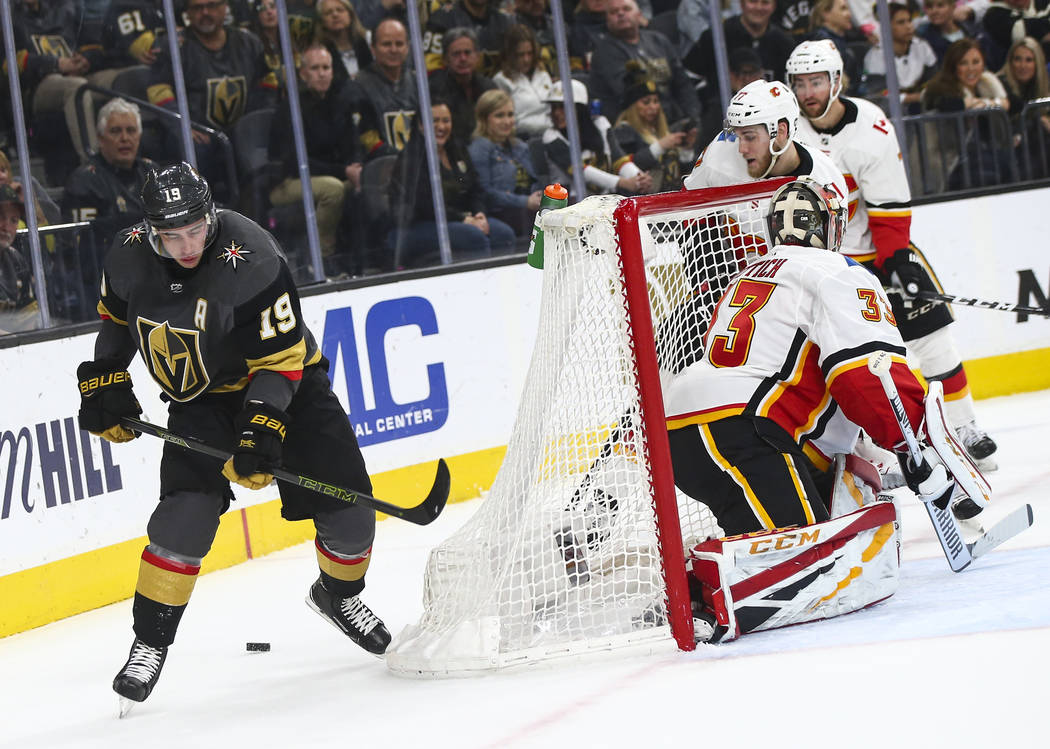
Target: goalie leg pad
pixel 941 438
pixel 856 484
pixel 774 579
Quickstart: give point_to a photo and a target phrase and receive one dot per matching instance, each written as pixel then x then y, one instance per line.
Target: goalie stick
pixel 933 296
pixel 422 514
pixel 958 552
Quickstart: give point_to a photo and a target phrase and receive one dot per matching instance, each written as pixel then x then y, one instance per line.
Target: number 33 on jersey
pixel 789 340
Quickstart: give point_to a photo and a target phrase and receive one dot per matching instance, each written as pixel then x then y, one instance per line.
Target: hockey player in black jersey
pixel 206 298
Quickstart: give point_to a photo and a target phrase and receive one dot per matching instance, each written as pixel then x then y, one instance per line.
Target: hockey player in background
pixel 787 349
pixel 206 298
pixel 861 141
pixel 760 141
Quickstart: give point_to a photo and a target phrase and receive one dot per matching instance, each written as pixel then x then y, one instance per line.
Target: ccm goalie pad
pixel 772 579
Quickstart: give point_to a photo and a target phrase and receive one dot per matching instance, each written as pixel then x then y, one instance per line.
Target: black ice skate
pixel 139 675
pixel 979 445
pixel 353 618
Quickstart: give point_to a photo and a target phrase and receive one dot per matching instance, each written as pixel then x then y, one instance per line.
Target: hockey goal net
pixel 578 547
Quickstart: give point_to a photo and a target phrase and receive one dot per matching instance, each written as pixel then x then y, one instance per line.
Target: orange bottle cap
pixel 556 191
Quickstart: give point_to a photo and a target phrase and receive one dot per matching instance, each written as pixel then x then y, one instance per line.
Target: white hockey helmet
pixel 819 56
pixel 765 103
pixel 807 213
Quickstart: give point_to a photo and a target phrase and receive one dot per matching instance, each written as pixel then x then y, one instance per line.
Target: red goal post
pixel 579 547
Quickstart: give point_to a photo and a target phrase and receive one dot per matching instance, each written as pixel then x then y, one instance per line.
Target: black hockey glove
pixel 105 398
pixel 904 271
pixel 260 439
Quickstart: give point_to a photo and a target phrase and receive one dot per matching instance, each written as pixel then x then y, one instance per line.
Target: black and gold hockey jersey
pixel 130 29
pixel 109 197
pixel 490 27
pixel 221 85
pixel 212 328
pixel 395 104
pixel 43 35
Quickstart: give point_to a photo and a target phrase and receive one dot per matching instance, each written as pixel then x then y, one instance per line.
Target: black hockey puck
pixel 257 647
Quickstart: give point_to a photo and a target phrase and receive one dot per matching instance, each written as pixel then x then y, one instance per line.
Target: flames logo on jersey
pixel 173 357
pixel 226 100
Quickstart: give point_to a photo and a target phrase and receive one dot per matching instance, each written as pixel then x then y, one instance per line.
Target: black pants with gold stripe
pixel 749 473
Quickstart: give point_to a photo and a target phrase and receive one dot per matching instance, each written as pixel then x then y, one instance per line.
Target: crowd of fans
pixel 644 83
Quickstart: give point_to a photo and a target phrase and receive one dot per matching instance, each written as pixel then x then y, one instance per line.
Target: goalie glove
pixel 260 430
pixel 904 271
pixel 930 481
pixel 106 397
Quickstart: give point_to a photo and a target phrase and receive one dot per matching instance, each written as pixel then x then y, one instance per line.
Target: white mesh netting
pixel 562 557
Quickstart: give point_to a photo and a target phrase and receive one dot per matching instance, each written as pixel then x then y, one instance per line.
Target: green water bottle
pixel 554 196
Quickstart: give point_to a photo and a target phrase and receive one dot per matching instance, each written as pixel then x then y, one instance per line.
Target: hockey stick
pixel 958 552
pixel 933 296
pixel 422 514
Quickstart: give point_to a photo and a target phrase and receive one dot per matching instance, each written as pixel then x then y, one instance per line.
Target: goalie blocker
pixel 772 579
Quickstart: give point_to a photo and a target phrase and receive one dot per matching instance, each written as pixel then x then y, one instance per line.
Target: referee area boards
pixel 427 368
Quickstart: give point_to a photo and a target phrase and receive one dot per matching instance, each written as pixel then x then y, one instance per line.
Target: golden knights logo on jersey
pixel 398 127
pixel 173 357
pixel 51 45
pixel 226 100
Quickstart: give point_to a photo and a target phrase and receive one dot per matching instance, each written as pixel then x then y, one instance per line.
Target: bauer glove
pixel 905 272
pixel 260 438
pixel 106 398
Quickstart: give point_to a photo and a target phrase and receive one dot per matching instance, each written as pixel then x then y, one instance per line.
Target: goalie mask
pixel 765 103
pixel 806 213
pixel 817 57
pixel 177 196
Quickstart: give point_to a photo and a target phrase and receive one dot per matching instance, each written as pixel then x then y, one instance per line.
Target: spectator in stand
pixel 341 32
pixel 745 66
pixel 371 12
pixel 752 28
pixel 264 26
pixel 628 46
pixel 525 78
pixel 472 234
pixel 47 212
pixel 914 61
pixel 388 84
pixel 18 308
pixel 941 28
pixel 107 191
pixel 131 31
pixel 226 75
pixel 963 84
pixel 508 180
pixel 484 18
pixel 1024 76
pixel 587 31
pixel 1009 20
pixel 605 166
pixel 535 15
pixel 459 83
pixel 335 132
pixel 52 64
pixel 643 134
pixel 831 19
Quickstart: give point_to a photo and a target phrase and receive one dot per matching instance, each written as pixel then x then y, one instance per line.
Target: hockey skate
pixel 139 675
pixel 352 617
pixel 978 444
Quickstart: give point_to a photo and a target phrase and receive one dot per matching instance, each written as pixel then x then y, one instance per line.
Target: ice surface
pixel 951 657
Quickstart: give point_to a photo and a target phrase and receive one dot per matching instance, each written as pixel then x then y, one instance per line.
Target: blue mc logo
pixel 388 420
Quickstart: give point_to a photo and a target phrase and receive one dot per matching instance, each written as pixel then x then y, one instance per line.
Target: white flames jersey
pixel 721 164
pixel 790 341
pixel 864 146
